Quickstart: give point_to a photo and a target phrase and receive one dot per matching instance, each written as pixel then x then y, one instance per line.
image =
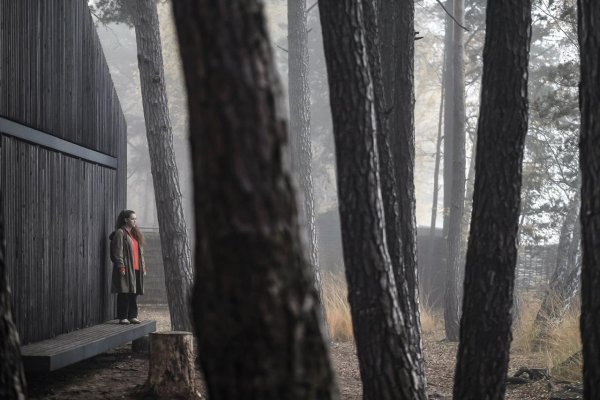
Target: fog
pixel 546 188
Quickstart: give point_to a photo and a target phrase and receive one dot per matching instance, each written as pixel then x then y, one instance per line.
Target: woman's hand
pixel 122 270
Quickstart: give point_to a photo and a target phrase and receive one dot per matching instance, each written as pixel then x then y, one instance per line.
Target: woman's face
pixel 131 221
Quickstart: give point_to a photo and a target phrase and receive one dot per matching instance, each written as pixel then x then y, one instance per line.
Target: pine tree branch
pixel 451 16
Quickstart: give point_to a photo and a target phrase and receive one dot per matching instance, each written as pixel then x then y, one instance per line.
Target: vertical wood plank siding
pixel 59 210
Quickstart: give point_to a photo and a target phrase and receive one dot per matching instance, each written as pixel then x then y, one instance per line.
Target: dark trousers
pixel 127 307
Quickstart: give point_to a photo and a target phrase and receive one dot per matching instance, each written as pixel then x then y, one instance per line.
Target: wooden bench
pixel 69 348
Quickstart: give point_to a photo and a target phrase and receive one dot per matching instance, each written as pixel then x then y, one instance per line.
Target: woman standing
pixel 127 255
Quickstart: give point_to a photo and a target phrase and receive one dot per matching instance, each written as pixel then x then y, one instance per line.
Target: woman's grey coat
pixel 121 253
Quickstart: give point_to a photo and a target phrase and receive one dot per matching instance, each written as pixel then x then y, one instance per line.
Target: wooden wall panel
pixel 53 74
pixel 59 209
pixel 60 212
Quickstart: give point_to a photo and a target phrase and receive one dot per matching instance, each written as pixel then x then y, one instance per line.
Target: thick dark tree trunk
pixel 589 150
pixel 485 331
pixel 12 376
pixel 171 368
pixel 396 161
pixel 300 139
pixel 387 364
pixel 396 19
pixel 256 309
pixel 173 234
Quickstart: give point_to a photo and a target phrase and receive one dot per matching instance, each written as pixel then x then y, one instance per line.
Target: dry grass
pixel 337 308
pixel 561 348
pixel 339 319
pixel 524 330
pixel 431 319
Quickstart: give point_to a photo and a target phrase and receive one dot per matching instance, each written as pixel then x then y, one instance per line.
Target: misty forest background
pixel 445 118
pixel 549 169
pixel 483 83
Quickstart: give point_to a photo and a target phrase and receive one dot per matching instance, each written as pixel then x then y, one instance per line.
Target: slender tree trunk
pixel 589 154
pixel 451 313
pixel 12 376
pixel 432 262
pixel 465 223
pixel 403 267
pixel 256 309
pixel 457 189
pixel 388 368
pixel 485 331
pixel 173 234
pixel 436 171
pixel 300 139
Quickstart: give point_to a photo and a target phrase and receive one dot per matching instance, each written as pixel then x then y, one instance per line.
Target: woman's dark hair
pixel 135 232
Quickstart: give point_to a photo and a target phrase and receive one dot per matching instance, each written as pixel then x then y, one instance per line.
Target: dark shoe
pixel 123 322
pixel 134 320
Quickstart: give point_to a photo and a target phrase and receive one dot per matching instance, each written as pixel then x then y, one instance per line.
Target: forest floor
pixel 120 373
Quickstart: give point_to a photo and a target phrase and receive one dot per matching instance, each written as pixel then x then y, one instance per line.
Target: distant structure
pixel 155 291
pixel 63 165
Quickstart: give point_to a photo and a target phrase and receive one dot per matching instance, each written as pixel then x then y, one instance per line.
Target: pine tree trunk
pixel 432 263
pixel 387 365
pixel 398 36
pixel 171 368
pixel 173 233
pixel 457 180
pixel 300 139
pixel 589 153
pixel 256 309
pixel 451 313
pixel 485 331
pixel 395 162
pixel 12 376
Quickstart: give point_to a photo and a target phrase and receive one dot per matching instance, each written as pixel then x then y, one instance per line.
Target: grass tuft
pixel 339 320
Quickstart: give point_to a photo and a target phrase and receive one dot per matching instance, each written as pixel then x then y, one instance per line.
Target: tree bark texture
pixel 589 160
pixel 388 367
pixel 455 163
pixel 300 139
pixel 255 305
pixel 171 368
pixel 395 232
pixel 173 233
pixel 451 312
pixel 396 19
pixel 12 375
pixel 485 331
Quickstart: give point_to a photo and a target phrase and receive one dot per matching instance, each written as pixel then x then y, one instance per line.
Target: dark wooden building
pixel 62 165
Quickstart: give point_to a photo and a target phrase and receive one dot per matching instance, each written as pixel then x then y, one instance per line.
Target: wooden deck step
pixel 69 348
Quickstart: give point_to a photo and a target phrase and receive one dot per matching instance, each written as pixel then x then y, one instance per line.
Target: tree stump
pixel 171 373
